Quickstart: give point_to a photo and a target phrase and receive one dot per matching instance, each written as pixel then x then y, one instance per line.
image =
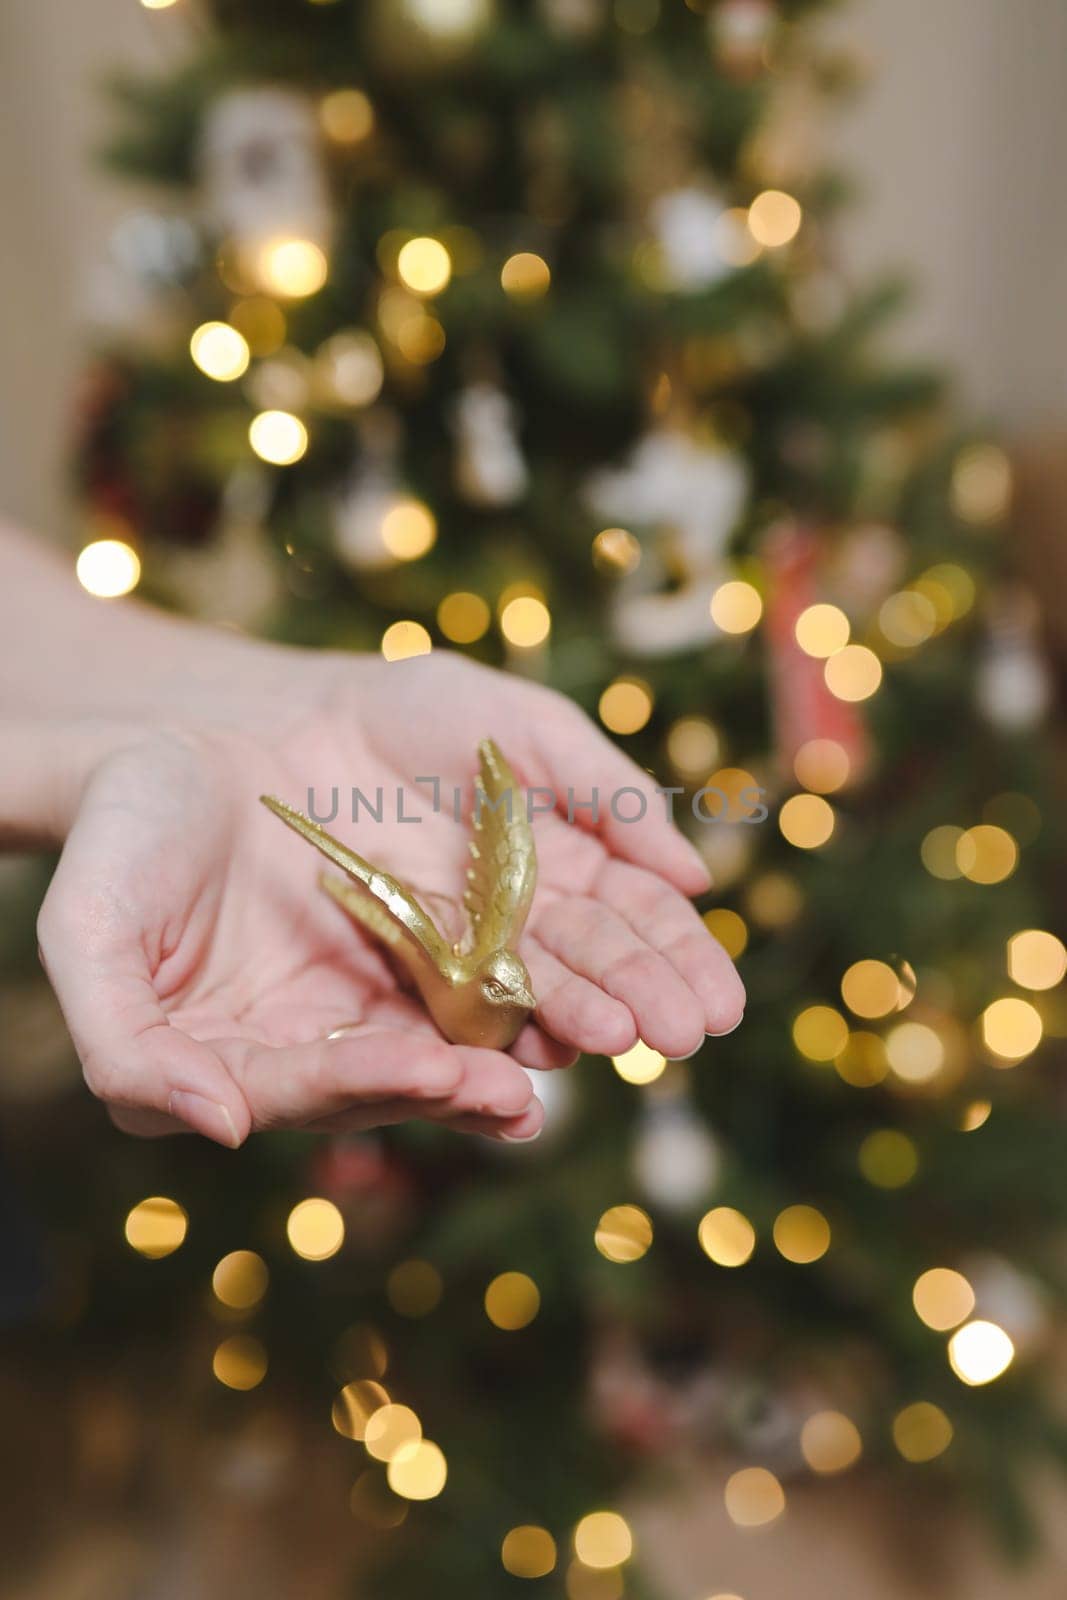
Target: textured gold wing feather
pixel 503 871
pixel 392 907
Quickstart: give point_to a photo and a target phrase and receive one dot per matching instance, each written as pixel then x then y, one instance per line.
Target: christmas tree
pixel 516 327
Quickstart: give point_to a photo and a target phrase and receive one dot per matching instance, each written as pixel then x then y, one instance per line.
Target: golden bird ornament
pixel 477 990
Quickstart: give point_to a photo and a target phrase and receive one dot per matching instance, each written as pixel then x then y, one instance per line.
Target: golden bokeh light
pixel 801 1234
pixel 624 1233
pixel 938 852
pixel 975 1115
pixel 388 1428
pixel 424 266
pixel 512 1301
pixel 916 1052
pixel 463 617
pixel 853 674
pixel 980 1352
pixel 240 1280
pixel 726 1237
pixel 871 989
pixel 278 437
pixel 1011 1029
pixel 220 351
pixel 1036 960
pixel 863 1062
pixel 315 1229
pixel 731 795
pixel 822 765
pixel 954 581
pixel 346 116
pixel 922 1432
pixel 418 1470
pixel 402 640
pixel 986 854
pixel 158 5
pixel 639 1064
pixel 774 900
pixel 888 1159
pixel 420 339
pixel 625 705
pixel 292 268
pixel 806 821
pixel 525 276
pixel 409 530
pixel 822 630
pixel 525 621
pixel 693 746
pixel 830 1442
pixel 908 619
pixel 240 1362
pixel 616 550
pixel 350 369
pixel 942 1298
pixel 108 568
pixel 736 607
pixel 528 1552
pixel 982 484
pixel 820 1033
pixel 156 1227
pixel 774 218
pixel 414 1288
pixel 753 1497
pixel 728 929
pixel 355 1405
pixel 603 1539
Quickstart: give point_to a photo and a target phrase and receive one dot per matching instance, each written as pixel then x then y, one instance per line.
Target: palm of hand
pixel 196 919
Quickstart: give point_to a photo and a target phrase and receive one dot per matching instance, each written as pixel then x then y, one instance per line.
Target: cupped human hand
pixel 209 984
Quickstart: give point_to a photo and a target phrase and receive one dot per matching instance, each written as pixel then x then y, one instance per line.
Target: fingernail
pixel 722 1032
pixel 689 1054
pixel 208 1117
pixel 520 1138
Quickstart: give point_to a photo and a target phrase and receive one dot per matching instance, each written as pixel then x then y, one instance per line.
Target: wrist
pixel 44 768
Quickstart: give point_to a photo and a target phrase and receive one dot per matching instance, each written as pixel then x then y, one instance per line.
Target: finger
pixel 147 1071
pixel 574 1010
pixel 294 1085
pixel 629 815
pixel 668 922
pixel 596 943
pixel 535 1048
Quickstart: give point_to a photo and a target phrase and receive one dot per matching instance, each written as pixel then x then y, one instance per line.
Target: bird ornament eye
pixel 494 989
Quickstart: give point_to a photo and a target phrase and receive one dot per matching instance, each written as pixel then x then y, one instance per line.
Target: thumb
pixel 154 1078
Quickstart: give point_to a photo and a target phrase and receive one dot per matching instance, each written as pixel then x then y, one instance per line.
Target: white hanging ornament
pixel 687 226
pixel 135 287
pixel 1013 685
pixel 359 518
pixel 739 32
pixel 676 1160
pixel 449 20
pixel 263 177
pixel 690 496
pixel 490 470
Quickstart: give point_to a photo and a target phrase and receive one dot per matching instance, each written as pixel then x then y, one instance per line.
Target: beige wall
pixel 960 139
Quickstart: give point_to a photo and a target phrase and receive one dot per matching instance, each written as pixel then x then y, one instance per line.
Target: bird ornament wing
pixel 503 871
pixel 382 904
